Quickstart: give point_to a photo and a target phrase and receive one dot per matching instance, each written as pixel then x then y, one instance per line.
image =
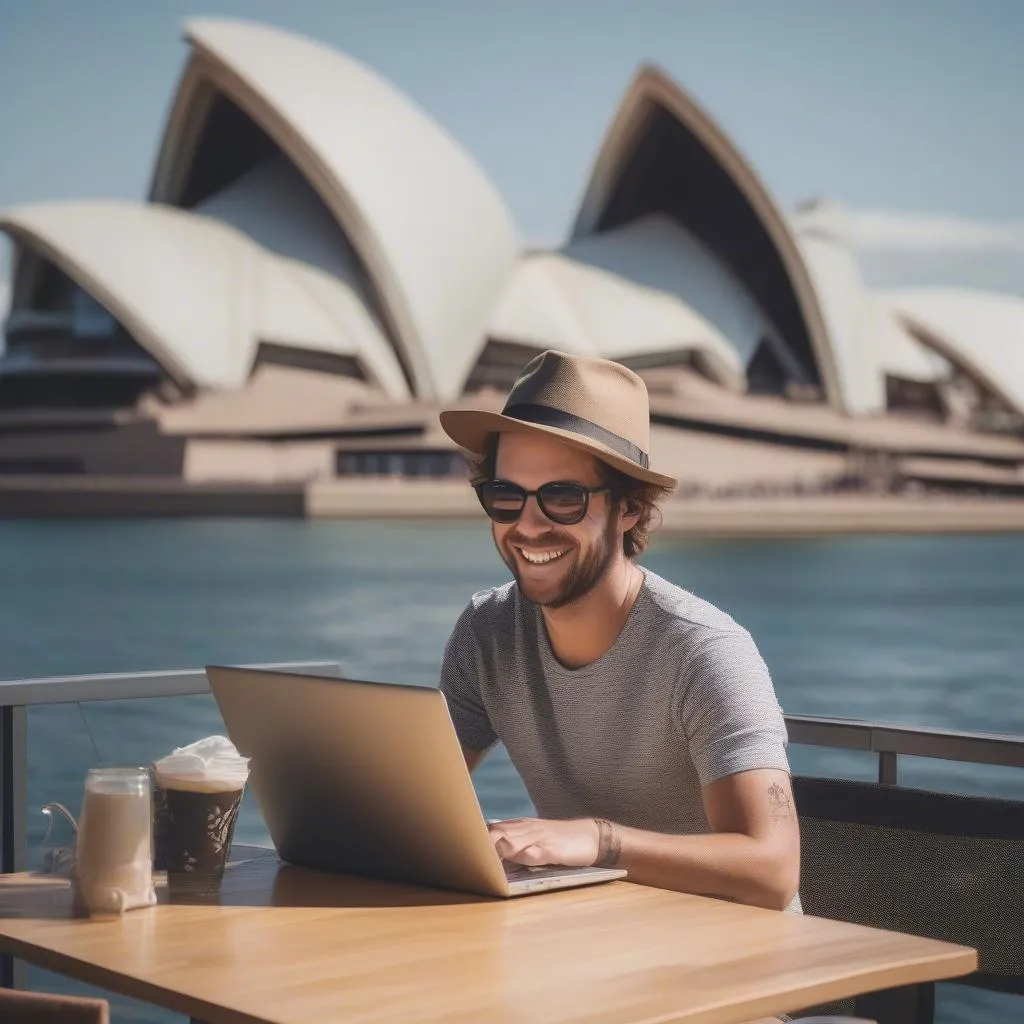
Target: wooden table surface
pixel 289 946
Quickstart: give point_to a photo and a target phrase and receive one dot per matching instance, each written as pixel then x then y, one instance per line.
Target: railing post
pixel 13 791
pixel 13 816
pixel 888 768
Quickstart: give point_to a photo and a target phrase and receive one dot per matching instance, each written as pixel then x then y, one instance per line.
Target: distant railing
pixel 888 741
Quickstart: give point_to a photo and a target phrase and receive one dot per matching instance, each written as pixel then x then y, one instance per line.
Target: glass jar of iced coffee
pixel 114 857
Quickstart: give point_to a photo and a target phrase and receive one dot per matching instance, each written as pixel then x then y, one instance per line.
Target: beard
pixel 581 575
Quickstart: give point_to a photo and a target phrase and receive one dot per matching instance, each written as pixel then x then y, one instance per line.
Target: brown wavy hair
pixel 635 495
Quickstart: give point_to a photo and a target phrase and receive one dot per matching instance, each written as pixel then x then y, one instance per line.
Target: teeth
pixel 540 557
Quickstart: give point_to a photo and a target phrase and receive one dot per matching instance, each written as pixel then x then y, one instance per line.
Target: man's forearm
pixel 724 864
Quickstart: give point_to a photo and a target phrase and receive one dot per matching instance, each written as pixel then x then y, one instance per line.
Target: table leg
pixel 13 972
pixel 914 1004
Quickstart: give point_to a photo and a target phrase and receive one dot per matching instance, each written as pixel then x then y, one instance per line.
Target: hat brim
pixel 470 429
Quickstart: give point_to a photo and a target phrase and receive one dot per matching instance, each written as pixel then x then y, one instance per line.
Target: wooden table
pixel 290 946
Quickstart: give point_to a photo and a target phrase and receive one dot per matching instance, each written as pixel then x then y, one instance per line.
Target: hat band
pixel 546 416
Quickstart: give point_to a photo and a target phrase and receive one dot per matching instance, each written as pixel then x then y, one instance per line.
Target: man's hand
pixel 539 841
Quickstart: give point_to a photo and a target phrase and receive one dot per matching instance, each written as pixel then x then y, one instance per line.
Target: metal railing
pixel 890 741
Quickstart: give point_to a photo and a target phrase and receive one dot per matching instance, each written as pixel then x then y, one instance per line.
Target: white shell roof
pixel 652 89
pixel 276 207
pixel 431 230
pixel 594 298
pixel 537 310
pixel 898 352
pixel 868 343
pixel 980 331
pixel 841 297
pixel 659 255
pixel 197 294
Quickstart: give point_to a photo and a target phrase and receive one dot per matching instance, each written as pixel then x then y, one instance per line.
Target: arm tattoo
pixel 779 802
pixel 609 844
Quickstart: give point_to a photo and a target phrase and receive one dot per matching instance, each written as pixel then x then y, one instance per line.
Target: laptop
pixel 369 779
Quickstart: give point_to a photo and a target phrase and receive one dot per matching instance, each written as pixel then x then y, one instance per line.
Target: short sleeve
pixel 460 683
pixel 728 710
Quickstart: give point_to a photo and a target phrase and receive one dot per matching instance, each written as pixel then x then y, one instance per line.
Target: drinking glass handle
pixel 59 859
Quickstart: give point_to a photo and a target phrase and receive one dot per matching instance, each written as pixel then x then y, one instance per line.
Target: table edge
pixel 963 960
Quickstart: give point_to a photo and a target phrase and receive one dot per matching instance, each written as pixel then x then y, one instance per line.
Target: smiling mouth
pixel 541 557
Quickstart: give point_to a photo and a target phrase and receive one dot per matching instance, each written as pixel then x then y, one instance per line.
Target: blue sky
pixel 906 105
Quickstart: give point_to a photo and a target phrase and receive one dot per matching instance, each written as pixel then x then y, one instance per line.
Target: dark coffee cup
pixel 193 831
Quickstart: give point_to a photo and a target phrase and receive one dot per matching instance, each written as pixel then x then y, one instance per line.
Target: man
pixel 642 719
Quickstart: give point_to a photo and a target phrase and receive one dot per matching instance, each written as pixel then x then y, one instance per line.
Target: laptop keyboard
pixel 516 872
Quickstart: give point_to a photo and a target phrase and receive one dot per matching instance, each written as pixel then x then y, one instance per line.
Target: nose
pixel 532 521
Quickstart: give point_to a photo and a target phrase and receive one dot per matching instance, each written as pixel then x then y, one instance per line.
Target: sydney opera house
pixel 319 267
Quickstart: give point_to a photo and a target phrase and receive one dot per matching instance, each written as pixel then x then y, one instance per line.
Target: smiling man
pixel 642 719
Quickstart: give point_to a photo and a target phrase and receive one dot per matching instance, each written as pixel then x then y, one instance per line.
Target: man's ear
pixel 630 510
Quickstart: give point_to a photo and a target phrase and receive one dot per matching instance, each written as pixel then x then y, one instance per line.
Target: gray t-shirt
pixel 682 698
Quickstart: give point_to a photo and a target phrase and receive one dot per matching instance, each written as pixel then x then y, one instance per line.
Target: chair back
pixel 19 1007
pixel 937 865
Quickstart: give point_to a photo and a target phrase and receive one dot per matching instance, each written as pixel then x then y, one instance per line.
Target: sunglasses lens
pixel 501 501
pixel 563 503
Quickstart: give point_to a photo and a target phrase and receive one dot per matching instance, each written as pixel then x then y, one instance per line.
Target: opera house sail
pixel 324 162
pixel 318 266
pixel 63 349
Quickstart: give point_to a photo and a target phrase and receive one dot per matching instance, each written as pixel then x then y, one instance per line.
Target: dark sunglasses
pixel 562 502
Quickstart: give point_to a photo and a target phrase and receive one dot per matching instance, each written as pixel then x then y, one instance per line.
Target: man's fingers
pixel 536 842
pixel 505 841
pixel 516 831
pixel 521 841
pixel 533 855
pixel 525 841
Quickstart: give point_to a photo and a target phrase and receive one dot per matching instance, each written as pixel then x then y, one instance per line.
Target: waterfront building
pixel 319 267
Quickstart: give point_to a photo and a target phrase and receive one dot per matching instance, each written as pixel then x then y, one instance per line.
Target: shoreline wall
pixel 454 501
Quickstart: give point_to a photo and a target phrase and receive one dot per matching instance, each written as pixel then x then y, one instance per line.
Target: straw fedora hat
pixel 593 404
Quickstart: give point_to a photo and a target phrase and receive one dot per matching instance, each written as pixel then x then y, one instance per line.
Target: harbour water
pixel 924 630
